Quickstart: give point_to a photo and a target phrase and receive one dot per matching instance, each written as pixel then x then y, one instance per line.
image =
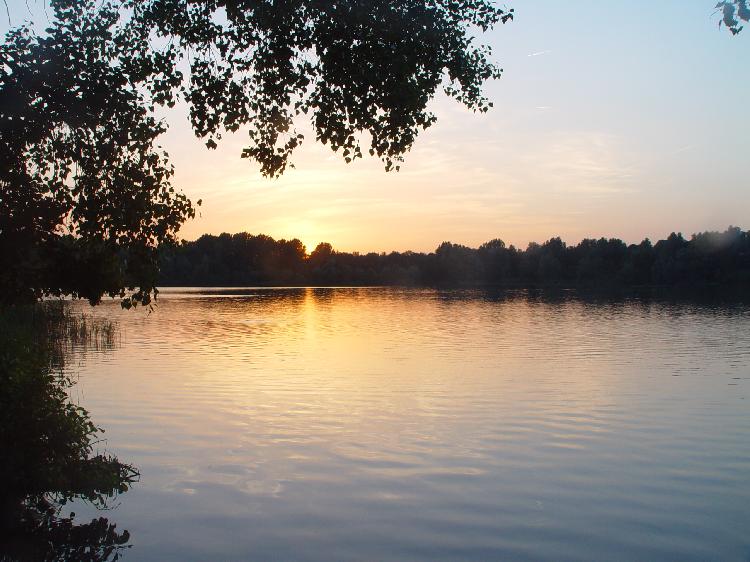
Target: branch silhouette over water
pixel 47 454
pixel 708 258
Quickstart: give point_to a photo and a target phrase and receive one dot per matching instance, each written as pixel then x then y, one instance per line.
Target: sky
pixel 625 119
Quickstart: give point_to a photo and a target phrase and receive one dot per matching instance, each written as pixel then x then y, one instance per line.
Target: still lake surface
pixel 384 424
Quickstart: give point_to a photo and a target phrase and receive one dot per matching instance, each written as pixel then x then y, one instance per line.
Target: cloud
pixel 683 149
pixel 581 162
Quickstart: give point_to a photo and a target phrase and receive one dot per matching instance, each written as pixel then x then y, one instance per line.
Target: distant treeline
pixel 247 260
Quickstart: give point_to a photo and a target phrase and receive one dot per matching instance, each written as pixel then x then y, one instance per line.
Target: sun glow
pixel 306 231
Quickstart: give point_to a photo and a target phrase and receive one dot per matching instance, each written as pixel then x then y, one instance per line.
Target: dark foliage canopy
pixel 732 13
pixel 709 258
pixel 362 66
pixel 49 447
pixel 85 191
pixel 85 195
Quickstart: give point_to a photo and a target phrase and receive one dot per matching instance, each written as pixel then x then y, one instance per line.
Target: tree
pixel 84 186
pixel 732 13
pixel 49 446
pixel 85 196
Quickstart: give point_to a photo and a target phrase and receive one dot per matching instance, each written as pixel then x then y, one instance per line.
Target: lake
pixel 394 424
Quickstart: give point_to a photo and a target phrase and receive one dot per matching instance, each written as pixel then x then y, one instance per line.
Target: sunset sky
pixel 627 119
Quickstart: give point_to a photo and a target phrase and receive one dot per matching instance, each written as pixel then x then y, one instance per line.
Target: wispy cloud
pixel 538 53
pixel 683 149
pixel 582 162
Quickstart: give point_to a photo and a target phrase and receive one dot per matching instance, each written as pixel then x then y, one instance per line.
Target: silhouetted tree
pixel 82 186
pixel 455 264
pixel 639 264
pixel 732 13
pixel 85 192
pixel 496 261
pixel 720 258
pixel 552 260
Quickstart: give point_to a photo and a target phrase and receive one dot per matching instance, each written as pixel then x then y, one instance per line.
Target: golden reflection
pixel 365 370
pixel 290 413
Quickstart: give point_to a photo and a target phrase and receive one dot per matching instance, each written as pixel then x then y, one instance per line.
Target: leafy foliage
pixel 245 260
pixel 47 445
pixel 85 191
pixel 81 181
pixel 352 66
pixel 42 535
pixel 732 13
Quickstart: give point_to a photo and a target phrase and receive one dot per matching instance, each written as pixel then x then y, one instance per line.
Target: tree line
pixel 85 185
pixel 86 192
pixel 244 259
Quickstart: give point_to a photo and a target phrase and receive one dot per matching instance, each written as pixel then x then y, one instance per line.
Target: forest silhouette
pixel 707 258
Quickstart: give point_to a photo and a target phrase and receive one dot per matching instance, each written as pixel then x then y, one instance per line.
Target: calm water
pixel 378 424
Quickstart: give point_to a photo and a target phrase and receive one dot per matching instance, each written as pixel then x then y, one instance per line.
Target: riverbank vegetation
pixel 250 260
pixel 50 450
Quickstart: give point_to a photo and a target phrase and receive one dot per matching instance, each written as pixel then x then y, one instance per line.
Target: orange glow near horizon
pixel 593 134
